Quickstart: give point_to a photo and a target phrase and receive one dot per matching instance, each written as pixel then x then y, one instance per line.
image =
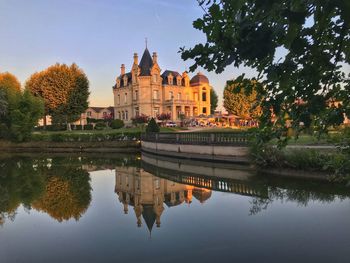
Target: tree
pixel 9 81
pixel 314 39
pixel 3 103
pixel 152 126
pixel 237 101
pixel 213 101
pixel 20 111
pixel 65 90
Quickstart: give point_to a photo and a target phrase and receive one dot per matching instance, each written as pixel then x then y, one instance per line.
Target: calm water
pixel 122 208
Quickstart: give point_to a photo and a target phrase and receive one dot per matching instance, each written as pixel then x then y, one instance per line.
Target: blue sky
pixel 98 35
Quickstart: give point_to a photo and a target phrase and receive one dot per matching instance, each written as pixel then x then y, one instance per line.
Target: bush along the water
pixel 117 124
pixel 152 126
pixel 336 163
pixel 87 137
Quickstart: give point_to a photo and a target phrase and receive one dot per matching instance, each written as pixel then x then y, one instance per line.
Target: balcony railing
pixel 199 138
pixel 181 102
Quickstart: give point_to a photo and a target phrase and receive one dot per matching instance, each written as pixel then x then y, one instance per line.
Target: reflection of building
pixel 148 193
pixel 144 90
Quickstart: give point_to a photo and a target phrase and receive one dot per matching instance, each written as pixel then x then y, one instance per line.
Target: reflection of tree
pixel 20 183
pixel 68 192
pixel 300 192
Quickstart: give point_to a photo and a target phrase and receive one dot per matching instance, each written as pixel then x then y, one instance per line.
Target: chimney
pixel 154 58
pixel 122 69
pixel 136 59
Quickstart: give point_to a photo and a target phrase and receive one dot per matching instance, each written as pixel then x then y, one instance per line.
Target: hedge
pixel 86 137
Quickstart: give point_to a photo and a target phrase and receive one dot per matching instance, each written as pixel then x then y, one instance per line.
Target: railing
pixel 199 138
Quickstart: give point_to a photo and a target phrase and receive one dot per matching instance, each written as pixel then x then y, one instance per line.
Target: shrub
pixel 117 124
pixel 100 126
pixel 88 127
pixel 152 126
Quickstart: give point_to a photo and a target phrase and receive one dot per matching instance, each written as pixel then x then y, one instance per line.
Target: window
pixel 119 115
pixel 171 95
pixel 178 80
pixel 155 112
pixel 137 112
pixel 136 95
pixel 125 81
pixel 88 113
pixel 179 96
pixel 170 80
pixel 123 115
pixel 155 78
pixel 125 98
pixel 118 99
pixel 155 94
pixel 157 183
pixel 204 96
pixel 126 115
pixel 204 110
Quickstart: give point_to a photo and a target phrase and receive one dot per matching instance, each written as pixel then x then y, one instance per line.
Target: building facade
pixel 149 91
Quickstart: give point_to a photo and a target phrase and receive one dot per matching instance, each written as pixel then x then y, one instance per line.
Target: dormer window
pixel 178 81
pixel 118 83
pixel 170 79
pixel 125 81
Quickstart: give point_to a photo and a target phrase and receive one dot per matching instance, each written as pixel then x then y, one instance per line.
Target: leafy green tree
pixel 22 109
pixel 65 90
pixel 3 103
pixel 213 101
pixel 241 103
pixel 299 49
pixel 9 81
pixel 152 126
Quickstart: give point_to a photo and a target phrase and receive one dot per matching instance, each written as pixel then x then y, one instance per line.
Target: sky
pixel 99 36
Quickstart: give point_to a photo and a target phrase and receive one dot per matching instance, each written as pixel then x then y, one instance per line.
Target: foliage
pixel 336 164
pixel 213 101
pixel 3 103
pixel 299 49
pixel 65 90
pixel 23 113
pixel 100 126
pixel 241 100
pixel 117 124
pixel 140 119
pixel 9 82
pixel 87 136
pixel 152 126
pixel 165 116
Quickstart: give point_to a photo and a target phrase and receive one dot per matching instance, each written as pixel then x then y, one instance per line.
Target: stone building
pixel 149 91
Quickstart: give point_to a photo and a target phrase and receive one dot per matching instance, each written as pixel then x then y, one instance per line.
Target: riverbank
pixel 127 146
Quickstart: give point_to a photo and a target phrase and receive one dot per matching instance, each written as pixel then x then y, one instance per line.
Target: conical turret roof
pixel 146 63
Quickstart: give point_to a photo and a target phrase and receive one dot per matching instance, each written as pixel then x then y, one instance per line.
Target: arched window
pixel 204 94
pixel 126 115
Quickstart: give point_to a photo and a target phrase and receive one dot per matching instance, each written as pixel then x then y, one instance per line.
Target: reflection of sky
pixel 98 36
pixel 219 229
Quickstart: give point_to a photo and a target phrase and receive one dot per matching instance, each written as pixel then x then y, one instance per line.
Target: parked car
pixel 170 124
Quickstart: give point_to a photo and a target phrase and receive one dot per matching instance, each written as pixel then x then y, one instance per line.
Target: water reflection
pixel 61 186
pixel 148 194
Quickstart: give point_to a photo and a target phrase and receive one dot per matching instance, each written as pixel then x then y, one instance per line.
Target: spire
pixel 146 63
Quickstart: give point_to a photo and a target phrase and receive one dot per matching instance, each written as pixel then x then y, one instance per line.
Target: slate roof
pixel 165 75
pixel 99 109
pixel 146 63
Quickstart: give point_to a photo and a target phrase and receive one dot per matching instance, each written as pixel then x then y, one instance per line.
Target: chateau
pixel 145 90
